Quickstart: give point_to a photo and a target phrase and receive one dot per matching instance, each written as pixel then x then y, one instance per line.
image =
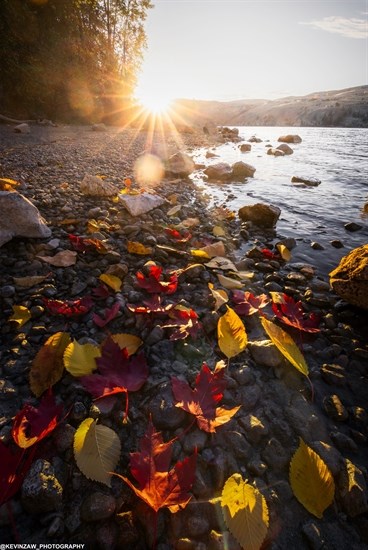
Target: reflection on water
pixel 336 156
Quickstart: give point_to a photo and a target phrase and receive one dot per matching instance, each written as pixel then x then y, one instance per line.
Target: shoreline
pixel 266 388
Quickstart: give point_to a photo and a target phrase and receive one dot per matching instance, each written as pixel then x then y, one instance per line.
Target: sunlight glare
pixel 154 102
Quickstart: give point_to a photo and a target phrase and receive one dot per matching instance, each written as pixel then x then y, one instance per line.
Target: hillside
pixel 342 108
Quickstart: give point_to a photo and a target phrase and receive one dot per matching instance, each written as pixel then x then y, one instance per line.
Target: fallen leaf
pixel 284 252
pixel 184 322
pixel 21 315
pixel 30 281
pixel 80 359
pixel 188 223
pixel 202 401
pixel 220 296
pixel 247 303
pixel 198 253
pixel 245 512
pixel 65 258
pixel 228 282
pixel 128 341
pixel 291 313
pixel 267 253
pixel 83 244
pixel 154 284
pixel 47 367
pixel 154 305
pixel 109 315
pixel 158 486
pixel 218 231
pixel 96 450
pixel 215 249
pixel 284 343
pixel 178 237
pixel 31 425
pixel 14 467
pixel 134 247
pixel 112 281
pixel 232 338
pixel 69 308
pixel 311 480
pixel 219 262
pixel 7 184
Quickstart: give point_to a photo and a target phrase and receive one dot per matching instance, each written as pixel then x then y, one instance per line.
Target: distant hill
pixel 341 108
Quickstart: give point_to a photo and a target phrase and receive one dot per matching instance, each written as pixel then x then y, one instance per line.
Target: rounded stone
pixel 97 506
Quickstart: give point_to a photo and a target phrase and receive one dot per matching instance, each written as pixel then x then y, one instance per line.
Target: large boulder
pixel 242 170
pixel 285 148
pixel 20 218
pixel 180 165
pixel 290 138
pixel 275 152
pixel 350 279
pixel 263 215
pixel 142 203
pixel 222 171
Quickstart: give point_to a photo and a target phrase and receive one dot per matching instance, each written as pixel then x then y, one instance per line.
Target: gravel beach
pixel 56 503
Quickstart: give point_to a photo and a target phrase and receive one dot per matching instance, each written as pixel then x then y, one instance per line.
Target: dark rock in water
pixel 336 244
pixel 255 139
pixel 242 170
pixel 317 246
pixel 263 215
pixel 286 149
pixel 351 226
pixel 311 182
pixel 350 279
pixel 290 138
pixel 210 155
pixel 245 147
pixel 275 152
pixel 222 171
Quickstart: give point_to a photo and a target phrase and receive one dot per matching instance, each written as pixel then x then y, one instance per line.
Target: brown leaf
pixel 65 258
pixel 48 365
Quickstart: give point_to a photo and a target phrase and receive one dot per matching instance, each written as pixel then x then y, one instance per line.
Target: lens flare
pixel 148 170
pixel 154 102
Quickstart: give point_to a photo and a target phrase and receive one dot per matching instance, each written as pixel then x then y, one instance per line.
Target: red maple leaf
pixel 101 291
pixel 202 401
pixel 153 305
pixel 177 236
pixel 158 486
pixel 267 253
pixel 117 372
pixel 110 314
pixel 153 283
pixel 291 313
pixel 247 303
pixel 184 322
pixel 85 244
pixel 31 425
pixel 69 308
pixel 14 467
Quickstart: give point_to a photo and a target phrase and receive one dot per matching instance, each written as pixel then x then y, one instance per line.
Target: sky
pixel 246 49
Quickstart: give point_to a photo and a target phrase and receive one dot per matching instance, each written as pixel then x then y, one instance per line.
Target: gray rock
pixel 242 170
pixel 97 187
pixel 254 427
pixel 311 182
pixel 243 375
pixel 248 396
pixel 275 455
pixel 264 352
pixel 142 203
pixel 286 149
pixel 352 489
pixel 260 214
pixel 100 127
pixel 165 415
pixel 196 439
pixel 222 171
pixel 41 491
pixel 180 165
pixel 331 456
pixel 20 218
pixel 23 128
pixel 97 506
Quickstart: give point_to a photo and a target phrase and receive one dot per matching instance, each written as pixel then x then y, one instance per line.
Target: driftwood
pixel 41 122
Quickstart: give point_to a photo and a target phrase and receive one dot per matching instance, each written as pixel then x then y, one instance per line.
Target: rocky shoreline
pixel 57 503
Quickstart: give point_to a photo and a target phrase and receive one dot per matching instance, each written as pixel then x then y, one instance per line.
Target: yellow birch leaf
pixel 79 359
pixel 134 247
pixel 21 315
pixel 229 283
pixel 219 295
pixel 199 253
pixel 218 231
pixel 128 341
pixel 284 252
pixel 311 480
pixel 284 343
pixel 112 281
pixel 245 512
pixel 231 334
pixel 48 366
pixel 96 451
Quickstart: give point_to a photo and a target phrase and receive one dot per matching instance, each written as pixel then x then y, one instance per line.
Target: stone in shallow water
pixel 20 218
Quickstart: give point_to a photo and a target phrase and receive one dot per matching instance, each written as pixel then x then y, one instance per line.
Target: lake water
pixel 336 156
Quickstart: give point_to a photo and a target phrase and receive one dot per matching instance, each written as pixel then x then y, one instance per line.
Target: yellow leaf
pixel 229 283
pixel 284 252
pixel 48 367
pixel 218 231
pixel 128 341
pixel 284 343
pixel 7 184
pixel 10 181
pixel 134 247
pixel 245 512
pixel 277 297
pixel 21 315
pixel 311 480
pixel 174 210
pixel 198 253
pixel 232 338
pixel 28 282
pixel 219 295
pixel 79 359
pixel 112 281
pixel 243 275
pixel 96 451
pixel 65 258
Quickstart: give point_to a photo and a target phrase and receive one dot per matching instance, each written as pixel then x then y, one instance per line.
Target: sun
pixel 155 103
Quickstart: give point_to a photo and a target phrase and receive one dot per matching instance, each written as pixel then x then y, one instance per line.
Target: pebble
pixel 334 408
pixel 352 226
pixel 41 491
pixel 264 352
pixel 317 246
pixel 275 455
pixel 333 374
pixel 97 506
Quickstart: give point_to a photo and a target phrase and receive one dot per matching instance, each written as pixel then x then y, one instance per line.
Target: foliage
pixel 232 338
